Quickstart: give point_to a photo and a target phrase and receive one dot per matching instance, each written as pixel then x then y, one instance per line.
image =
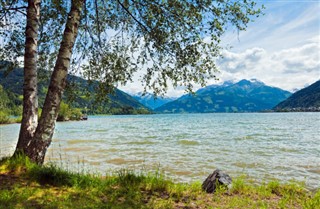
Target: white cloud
pixel 234 62
pixel 296 59
pixel 288 69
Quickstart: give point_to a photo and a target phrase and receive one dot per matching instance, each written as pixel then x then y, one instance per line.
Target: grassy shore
pixel 26 185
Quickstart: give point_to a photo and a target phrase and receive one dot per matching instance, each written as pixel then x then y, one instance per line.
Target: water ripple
pixel 190 146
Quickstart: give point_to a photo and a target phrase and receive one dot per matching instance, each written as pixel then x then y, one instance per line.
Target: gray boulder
pixel 216 179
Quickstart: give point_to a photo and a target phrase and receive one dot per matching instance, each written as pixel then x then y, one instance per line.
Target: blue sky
pixel 286 23
pixel 281 48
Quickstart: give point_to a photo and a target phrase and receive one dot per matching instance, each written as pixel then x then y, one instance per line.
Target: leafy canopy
pixel 170 40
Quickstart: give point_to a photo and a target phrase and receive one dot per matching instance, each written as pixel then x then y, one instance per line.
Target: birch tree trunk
pixel 30 99
pixel 36 150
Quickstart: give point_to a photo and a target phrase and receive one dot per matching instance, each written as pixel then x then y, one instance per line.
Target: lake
pixel 188 147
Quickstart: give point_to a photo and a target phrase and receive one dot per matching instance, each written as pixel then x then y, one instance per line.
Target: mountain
pixel 243 96
pixel 306 99
pixel 118 103
pixel 150 101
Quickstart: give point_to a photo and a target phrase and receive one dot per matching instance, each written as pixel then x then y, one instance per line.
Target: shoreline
pixel 26 185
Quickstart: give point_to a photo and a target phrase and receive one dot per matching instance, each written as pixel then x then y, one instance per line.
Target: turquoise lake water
pixel 187 147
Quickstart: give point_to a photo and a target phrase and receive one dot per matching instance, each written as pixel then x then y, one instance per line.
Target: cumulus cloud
pixel 295 60
pixel 288 69
pixel 234 62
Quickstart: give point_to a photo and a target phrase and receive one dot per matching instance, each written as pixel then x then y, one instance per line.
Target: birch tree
pixel 173 42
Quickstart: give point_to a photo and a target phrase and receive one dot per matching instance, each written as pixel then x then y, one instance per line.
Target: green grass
pixel 27 185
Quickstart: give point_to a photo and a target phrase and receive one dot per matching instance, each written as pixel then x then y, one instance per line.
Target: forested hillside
pixel 307 99
pixel 79 94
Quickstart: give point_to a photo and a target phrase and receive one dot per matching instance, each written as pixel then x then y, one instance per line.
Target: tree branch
pixel 133 17
pixel 22 12
pixel 98 22
pixel 17 9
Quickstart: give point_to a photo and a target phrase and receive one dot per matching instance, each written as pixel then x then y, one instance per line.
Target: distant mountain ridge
pixel 243 96
pixel 306 99
pixel 119 102
pixel 150 101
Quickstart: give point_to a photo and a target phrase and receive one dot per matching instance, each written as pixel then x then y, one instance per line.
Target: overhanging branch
pixel 4 11
pixel 133 17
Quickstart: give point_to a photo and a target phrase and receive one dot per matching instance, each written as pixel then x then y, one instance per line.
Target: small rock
pixel 216 179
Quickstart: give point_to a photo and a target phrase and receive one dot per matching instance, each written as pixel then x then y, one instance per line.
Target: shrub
pixel 67 113
pixel 4 117
pixel 76 114
pixel 16 110
pixel 64 112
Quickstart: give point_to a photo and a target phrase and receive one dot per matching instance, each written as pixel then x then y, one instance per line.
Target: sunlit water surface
pixel 188 147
